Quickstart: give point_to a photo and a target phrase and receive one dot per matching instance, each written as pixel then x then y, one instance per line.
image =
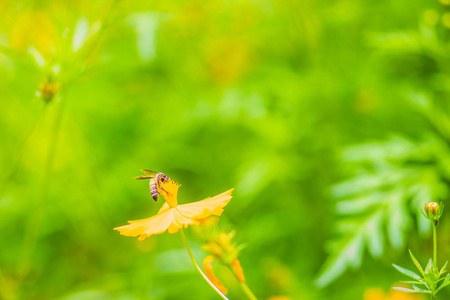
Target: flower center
pixel 169 191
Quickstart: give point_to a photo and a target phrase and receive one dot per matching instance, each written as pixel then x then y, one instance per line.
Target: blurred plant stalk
pixel 61 67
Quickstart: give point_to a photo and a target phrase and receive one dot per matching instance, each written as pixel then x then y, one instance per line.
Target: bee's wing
pixel 148 174
pixel 143 177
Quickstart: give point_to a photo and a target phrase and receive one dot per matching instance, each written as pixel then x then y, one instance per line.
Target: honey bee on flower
pixel 173 216
pixel 155 181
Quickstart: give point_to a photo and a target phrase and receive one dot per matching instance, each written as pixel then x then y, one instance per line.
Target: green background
pixel 263 96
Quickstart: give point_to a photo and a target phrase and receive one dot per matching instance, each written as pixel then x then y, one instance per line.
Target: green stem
pixel 198 268
pixel 434 246
pixel 248 291
pixel 31 235
pixel 20 151
pixel 433 296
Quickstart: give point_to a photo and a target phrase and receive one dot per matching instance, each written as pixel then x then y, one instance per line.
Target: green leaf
pixel 429 266
pixel 413 282
pixel 398 220
pixel 421 290
pixel 445 283
pixel 416 263
pixel 358 206
pixel 424 214
pixel 406 290
pixel 407 272
pixel 440 280
pixel 337 264
pixel 430 277
pixel 444 268
pixel 390 183
pixel 442 286
pixel 374 234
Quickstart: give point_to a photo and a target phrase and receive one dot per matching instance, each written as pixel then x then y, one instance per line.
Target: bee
pixel 155 181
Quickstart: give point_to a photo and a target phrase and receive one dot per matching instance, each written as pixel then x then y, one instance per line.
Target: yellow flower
pixel 172 216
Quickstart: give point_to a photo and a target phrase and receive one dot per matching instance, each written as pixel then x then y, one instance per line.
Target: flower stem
pixel 433 296
pixel 32 233
pixel 248 291
pixel 198 268
pixel 434 246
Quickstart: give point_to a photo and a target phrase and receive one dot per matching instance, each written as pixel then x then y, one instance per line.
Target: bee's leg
pixel 159 185
pixel 162 188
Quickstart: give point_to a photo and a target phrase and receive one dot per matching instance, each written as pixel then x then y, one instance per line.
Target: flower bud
pixel 237 269
pixel 207 266
pixel 431 208
pixel 433 211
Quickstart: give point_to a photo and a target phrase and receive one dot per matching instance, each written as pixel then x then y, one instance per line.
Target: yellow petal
pixel 169 192
pixel 204 208
pixel 171 216
pixel 164 207
pixel 171 220
pixel 157 223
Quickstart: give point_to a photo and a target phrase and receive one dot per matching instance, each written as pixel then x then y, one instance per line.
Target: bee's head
pixel 163 177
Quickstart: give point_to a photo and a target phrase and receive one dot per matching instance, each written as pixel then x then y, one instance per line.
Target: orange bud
pixel 209 271
pixel 238 270
pixel 432 208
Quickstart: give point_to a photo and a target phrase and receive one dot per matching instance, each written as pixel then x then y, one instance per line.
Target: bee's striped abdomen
pixel 153 189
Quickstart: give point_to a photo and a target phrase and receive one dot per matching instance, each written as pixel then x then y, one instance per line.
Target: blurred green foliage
pixel 268 97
